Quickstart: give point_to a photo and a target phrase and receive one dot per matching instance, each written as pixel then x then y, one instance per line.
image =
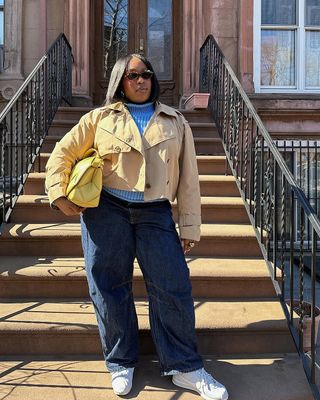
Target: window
pixel 287 46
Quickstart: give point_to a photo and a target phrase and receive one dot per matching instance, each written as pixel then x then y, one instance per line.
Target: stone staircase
pixel 48 334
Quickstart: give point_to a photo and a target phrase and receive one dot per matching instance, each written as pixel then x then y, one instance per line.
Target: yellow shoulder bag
pixel 85 183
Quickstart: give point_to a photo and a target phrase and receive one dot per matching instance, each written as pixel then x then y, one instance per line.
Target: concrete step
pixel 60 127
pixel 208 165
pixel 58 326
pixel 204 129
pixel 197 115
pixel 65 277
pixel 203 145
pixel 85 377
pixel 210 185
pixel 75 113
pixel 218 185
pixel 63 239
pixel 35 208
pixel 213 165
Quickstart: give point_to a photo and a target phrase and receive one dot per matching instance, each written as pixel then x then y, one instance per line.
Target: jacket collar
pixel 155 134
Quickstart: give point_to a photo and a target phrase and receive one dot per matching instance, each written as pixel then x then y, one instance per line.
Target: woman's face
pixel 137 90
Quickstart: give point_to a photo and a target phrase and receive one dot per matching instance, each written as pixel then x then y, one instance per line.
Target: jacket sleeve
pixel 188 193
pixel 67 151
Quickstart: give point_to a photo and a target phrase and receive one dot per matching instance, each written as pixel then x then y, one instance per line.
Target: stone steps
pixel 207 165
pixel 75 113
pixel 48 330
pixel 217 240
pixel 83 377
pixel 210 185
pixel 60 326
pixel 204 145
pixel 60 127
pixel 64 277
pixel 35 208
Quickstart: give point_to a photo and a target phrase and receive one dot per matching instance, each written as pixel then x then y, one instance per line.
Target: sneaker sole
pixel 122 393
pixel 186 386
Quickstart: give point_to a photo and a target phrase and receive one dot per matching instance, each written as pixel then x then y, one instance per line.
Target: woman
pixel 149 160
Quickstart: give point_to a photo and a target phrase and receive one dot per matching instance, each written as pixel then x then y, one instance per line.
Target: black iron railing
pixel 286 225
pixel 26 119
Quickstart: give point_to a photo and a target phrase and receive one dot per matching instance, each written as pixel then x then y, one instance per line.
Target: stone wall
pixel 220 18
pixel 30 28
pixel 43 20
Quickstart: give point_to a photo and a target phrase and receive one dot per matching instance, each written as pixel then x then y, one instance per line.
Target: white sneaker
pixel 203 383
pixel 122 381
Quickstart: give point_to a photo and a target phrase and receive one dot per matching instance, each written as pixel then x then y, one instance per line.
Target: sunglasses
pixel 147 74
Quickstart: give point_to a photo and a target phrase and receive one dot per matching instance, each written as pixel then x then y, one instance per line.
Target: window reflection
pixel 277 58
pixel 115 41
pixel 312 59
pixel 278 12
pixel 160 37
pixel 312 12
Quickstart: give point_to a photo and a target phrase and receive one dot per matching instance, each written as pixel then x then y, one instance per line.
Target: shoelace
pixel 206 379
pixel 122 373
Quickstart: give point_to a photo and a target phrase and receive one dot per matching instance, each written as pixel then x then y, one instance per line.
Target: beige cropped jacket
pixel 161 163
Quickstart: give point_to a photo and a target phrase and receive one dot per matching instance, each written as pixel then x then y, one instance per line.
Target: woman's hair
pixel 115 91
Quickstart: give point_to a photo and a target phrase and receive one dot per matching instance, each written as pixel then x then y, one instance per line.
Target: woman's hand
pixel 187 245
pixel 67 207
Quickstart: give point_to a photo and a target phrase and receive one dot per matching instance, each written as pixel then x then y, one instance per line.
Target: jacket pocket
pixel 112 146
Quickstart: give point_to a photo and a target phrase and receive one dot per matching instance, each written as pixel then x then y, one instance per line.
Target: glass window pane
pixel 160 37
pixel 277 58
pixel 312 12
pixel 278 12
pixel 1 3
pixel 1 28
pixel 312 59
pixel 115 41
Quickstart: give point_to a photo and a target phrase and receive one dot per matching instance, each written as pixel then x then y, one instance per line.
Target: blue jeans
pixel 113 234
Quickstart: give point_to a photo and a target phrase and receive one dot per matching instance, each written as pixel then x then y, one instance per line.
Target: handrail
pixel 286 225
pixel 25 121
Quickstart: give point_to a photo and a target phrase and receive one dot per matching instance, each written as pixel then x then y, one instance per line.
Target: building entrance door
pixel 149 27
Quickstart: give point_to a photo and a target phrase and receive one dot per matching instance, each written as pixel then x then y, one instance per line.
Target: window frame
pixel 300 51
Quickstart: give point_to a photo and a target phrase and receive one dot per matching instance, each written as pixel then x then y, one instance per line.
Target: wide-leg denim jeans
pixel 113 234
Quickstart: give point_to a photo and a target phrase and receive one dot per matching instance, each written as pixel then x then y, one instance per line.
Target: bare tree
pixel 115 37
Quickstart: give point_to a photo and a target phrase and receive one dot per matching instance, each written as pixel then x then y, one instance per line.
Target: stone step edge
pixel 241 373
pixel 60 231
pixel 202 177
pixel 274 321
pixel 200 268
pixel 206 201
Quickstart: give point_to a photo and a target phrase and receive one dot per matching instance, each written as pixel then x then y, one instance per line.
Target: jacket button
pixel 117 149
pixel 148 186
